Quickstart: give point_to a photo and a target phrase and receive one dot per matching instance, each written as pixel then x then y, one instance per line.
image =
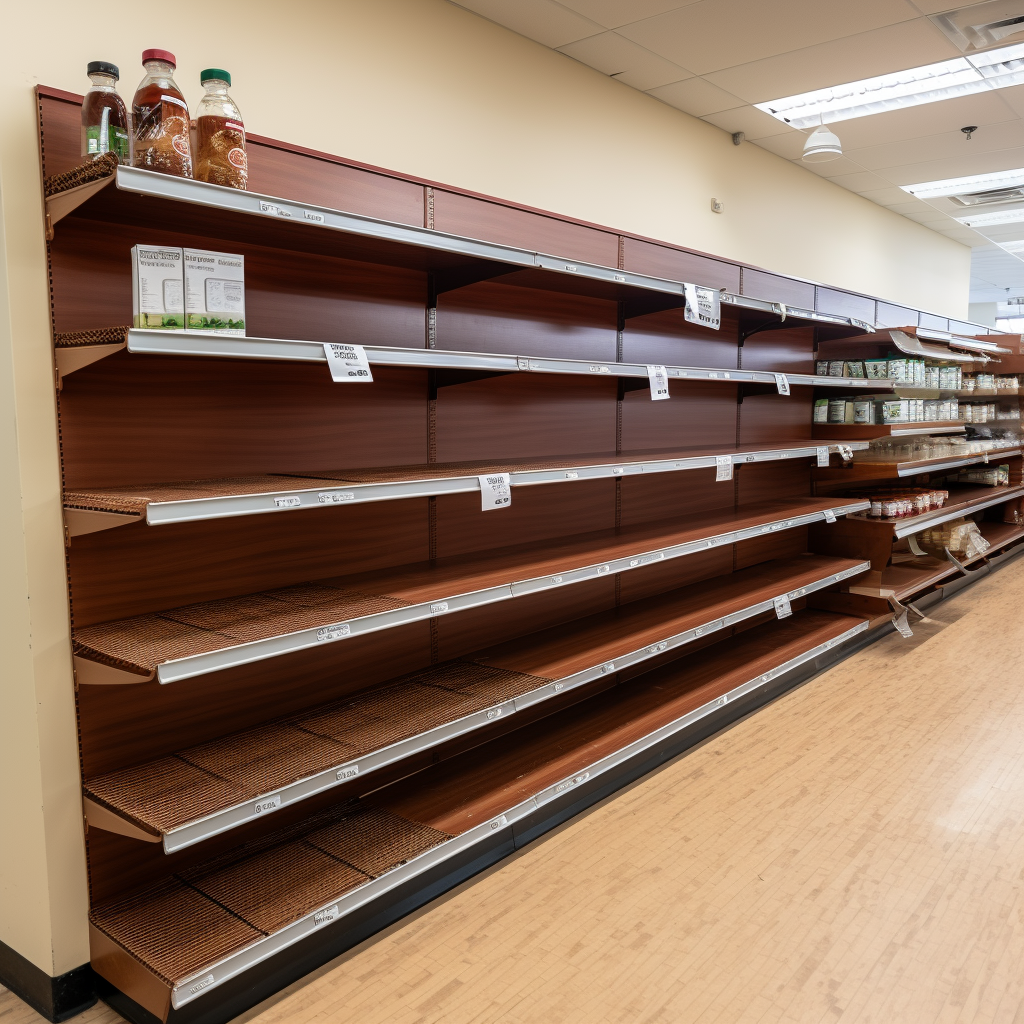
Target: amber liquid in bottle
pixel 161 125
pixel 220 151
pixel 104 135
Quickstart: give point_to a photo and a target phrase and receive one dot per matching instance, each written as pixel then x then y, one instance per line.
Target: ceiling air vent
pixel 1013 194
pixel 980 26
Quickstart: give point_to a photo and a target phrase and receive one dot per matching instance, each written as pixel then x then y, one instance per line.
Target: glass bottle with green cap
pixel 104 115
pixel 220 134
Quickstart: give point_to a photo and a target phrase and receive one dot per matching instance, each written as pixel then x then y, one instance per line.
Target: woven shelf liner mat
pixel 141 643
pixel 134 500
pixel 102 167
pixel 280 885
pixel 201 780
pixel 100 336
pixel 188 922
pixel 376 841
pixel 172 929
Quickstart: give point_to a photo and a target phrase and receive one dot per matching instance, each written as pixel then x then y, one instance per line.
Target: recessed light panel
pixel 982 25
pixel 972 183
pixel 962 76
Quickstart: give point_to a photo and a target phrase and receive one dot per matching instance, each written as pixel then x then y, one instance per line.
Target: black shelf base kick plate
pixel 241 993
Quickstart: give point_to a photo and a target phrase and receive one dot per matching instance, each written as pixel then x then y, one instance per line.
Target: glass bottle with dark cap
pixel 160 121
pixel 220 134
pixel 104 115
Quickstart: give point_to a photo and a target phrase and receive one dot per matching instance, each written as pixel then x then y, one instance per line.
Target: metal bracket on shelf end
pixel 899 617
pixel 780 308
pixel 963 568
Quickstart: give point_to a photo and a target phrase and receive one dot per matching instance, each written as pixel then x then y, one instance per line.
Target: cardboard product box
pixel 157 288
pixel 214 292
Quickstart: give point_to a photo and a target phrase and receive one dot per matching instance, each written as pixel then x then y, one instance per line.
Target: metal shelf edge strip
pixel 238 814
pixel 258 650
pixel 159 513
pixel 203 981
pixel 955 463
pixel 143 341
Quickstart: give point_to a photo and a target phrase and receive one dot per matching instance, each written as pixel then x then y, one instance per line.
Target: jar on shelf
pixel 220 134
pixel 104 115
pixel 160 121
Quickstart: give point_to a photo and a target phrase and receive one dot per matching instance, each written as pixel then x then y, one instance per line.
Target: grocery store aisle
pixel 851 853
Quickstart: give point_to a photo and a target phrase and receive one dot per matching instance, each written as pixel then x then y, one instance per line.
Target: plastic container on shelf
pixel 220 134
pixel 104 115
pixel 160 121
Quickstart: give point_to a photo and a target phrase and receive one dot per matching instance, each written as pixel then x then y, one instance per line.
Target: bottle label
pixel 180 143
pixel 107 139
pixel 236 157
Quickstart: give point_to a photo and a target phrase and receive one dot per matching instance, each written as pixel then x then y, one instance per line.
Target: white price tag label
pixel 723 468
pixel 901 624
pixel 332 632
pixel 348 773
pixel 292 501
pixel 658 377
pixel 335 497
pixel 314 217
pixel 703 306
pixel 783 609
pixel 347 362
pixel 823 456
pixel 270 804
pixel 495 491
pixel 782 383
pixel 273 210
pixel 326 916
pixel 830 516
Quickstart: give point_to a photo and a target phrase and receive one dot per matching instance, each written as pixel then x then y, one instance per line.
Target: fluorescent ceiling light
pixel 981 220
pixel 974 183
pixel 962 76
pixel 1013 247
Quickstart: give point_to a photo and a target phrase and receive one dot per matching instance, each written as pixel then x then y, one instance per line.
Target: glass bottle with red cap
pixel 160 121
pixel 220 134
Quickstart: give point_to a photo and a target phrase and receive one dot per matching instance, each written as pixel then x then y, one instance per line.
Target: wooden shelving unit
pixel 296 728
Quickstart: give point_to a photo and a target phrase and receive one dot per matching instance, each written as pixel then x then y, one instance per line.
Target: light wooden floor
pixel 854 853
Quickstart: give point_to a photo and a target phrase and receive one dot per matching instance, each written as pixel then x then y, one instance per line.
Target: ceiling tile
pixel 717 34
pixel 885 196
pixel 910 206
pixel 906 45
pixel 941 6
pixel 789 146
pixel 952 167
pixel 613 13
pixel 755 123
pixel 543 20
pixel 992 139
pixel 1013 98
pixel 832 168
pixel 928 119
pixel 697 97
pixel 624 60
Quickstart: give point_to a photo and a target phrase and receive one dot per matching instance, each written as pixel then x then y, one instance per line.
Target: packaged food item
pixel 214 292
pixel 836 367
pixel 895 411
pixel 876 369
pixel 961 537
pixel 104 115
pixel 158 287
pixel 160 121
pixel 863 411
pixel 855 368
pixel 821 368
pixel 220 134
pixel 837 410
pixel 897 369
pixel 821 410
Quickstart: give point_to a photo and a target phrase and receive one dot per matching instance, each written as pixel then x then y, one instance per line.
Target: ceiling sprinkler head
pixel 969 130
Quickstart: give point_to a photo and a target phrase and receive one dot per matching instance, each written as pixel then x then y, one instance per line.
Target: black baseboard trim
pixel 57 998
pixel 291 964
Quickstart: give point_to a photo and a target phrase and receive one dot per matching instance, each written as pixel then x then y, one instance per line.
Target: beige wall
pixel 416 85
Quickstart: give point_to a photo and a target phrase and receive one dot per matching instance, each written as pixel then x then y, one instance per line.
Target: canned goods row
pixel 903 504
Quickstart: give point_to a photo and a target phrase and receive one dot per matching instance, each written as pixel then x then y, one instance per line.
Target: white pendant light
pixel 822 145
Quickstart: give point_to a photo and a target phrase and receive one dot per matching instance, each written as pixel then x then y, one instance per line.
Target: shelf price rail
pixel 88 511
pixel 173 645
pixel 372 239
